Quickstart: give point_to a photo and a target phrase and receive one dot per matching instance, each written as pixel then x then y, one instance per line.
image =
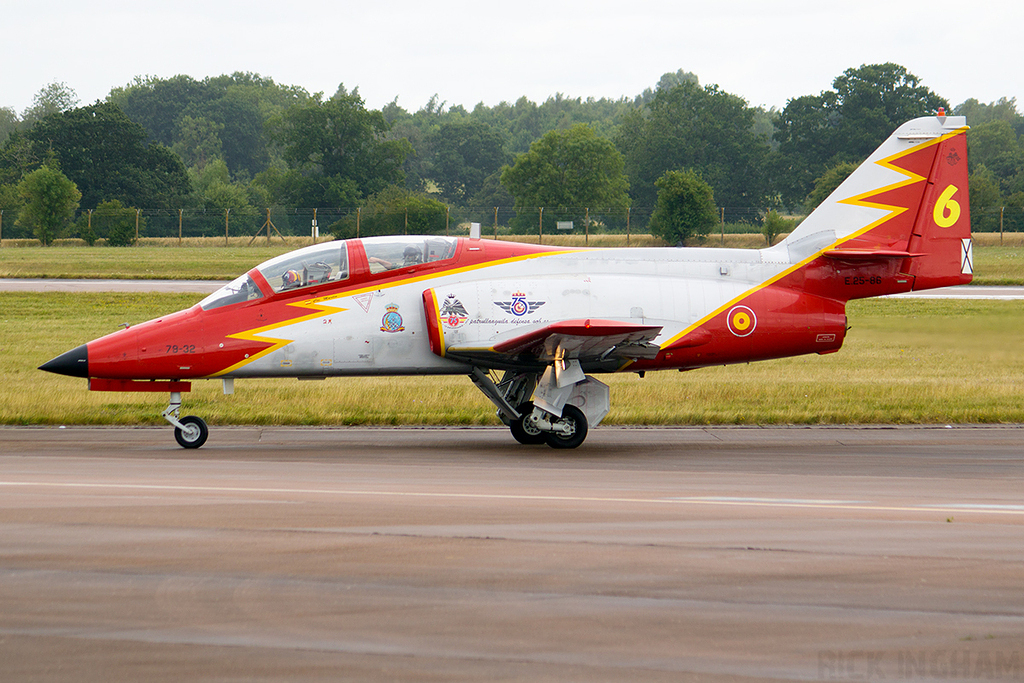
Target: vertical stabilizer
pixel 907 201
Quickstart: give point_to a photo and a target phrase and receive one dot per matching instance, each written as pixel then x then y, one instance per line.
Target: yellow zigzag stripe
pixel 257 334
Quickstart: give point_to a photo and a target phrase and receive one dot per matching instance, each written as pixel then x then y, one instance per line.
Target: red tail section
pixel 900 222
pixel 943 228
pixel 928 227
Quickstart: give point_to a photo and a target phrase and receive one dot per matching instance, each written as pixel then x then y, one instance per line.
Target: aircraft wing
pixel 575 339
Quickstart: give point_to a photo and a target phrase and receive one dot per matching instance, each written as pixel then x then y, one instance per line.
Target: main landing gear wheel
pixel 192 433
pixel 524 433
pixel 576 422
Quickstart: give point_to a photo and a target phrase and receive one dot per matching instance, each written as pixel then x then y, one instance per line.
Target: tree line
pixel 670 158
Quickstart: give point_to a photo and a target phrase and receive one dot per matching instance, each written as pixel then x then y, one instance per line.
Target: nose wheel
pixel 190 431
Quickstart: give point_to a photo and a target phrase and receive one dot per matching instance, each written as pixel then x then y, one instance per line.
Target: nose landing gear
pixel 190 431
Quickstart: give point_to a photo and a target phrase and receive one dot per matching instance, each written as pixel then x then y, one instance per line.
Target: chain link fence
pixel 273 222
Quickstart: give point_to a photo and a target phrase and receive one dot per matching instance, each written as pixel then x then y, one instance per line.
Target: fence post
pixel 226 212
pixel 540 229
pixel 1 227
pixel 495 222
pixel 586 225
pixel 629 210
pixel 179 227
pixel 447 218
pixel 1001 209
pixel 359 211
pixel 88 221
pixel 138 212
pixel 723 226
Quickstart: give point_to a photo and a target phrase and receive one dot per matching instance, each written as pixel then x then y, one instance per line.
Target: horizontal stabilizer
pixel 868 254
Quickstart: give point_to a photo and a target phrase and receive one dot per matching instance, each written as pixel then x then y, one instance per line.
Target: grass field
pixel 904 361
pixel 996 262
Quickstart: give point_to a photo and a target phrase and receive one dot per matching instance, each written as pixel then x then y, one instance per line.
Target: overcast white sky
pixel 470 52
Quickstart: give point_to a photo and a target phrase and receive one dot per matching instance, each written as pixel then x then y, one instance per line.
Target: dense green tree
pixel 106 156
pixel 668 81
pixel 19 156
pixel 198 141
pixel 50 201
pixel 985 200
pixel 492 194
pixel 10 204
pixel 238 114
pixel 987 142
pixel 8 123
pixel 394 211
pixel 238 105
pixel 1003 109
pixel 685 207
pixel 847 123
pixel 568 171
pixel 337 152
pixel 216 190
pixel 55 98
pixel 157 104
pixel 774 225
pixel 113 222
pixel 705 129
pixel 466 152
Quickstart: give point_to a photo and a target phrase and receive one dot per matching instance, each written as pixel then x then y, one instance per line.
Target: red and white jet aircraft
pixel 548 318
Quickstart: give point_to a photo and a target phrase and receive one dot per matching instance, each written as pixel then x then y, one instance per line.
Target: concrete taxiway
pixel 682 554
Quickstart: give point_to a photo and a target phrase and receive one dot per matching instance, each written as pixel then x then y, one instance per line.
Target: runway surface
pixel 453 554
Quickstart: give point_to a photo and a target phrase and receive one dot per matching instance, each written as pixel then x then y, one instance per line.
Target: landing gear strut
pixel 190 431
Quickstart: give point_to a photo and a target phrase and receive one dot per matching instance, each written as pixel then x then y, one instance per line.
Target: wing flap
pixel 583 339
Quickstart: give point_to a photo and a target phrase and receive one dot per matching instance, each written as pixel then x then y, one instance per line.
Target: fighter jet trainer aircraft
pixel 531 324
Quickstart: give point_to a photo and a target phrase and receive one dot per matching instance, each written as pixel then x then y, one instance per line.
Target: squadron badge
pixel 519 306
pixel 392 320
pixel 453 313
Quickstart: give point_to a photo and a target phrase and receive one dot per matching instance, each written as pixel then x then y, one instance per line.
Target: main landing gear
pixel 536 426
pixel 565 403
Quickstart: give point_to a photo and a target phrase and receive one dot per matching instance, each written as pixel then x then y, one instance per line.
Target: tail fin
pixel 908 203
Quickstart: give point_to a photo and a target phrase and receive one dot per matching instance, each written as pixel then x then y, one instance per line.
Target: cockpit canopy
pixel 332 262
pixel 391 253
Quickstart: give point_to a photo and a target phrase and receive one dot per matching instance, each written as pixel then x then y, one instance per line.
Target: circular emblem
pixel 742 321
pixel 519 306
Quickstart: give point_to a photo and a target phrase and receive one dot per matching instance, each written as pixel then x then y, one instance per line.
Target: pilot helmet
pixel 411 254
pixel 291 278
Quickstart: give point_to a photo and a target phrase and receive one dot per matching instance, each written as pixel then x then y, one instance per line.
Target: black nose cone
pixel 73 363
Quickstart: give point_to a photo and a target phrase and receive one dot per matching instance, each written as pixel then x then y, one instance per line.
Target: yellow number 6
pixel 947 209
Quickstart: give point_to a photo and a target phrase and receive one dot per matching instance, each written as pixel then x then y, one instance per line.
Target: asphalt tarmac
pixel 713 554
